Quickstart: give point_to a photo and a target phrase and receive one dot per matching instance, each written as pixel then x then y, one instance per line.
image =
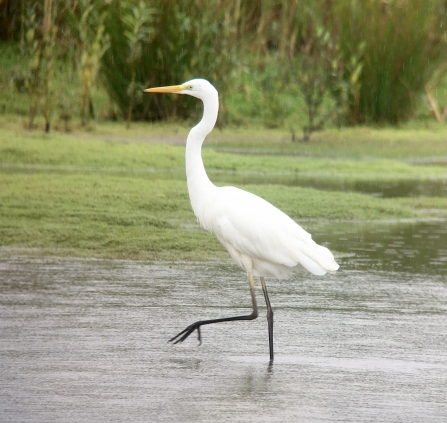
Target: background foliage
pixel 298 62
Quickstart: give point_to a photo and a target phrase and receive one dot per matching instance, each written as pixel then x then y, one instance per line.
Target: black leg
pixel 180 337
pixel 269 317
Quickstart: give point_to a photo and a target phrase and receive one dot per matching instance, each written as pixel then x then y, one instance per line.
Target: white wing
pixel 251 226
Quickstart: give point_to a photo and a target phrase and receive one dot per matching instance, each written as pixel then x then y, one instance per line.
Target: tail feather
pixel 326 259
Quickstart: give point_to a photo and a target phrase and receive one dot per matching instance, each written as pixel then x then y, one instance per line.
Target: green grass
pixel 104 215
pixel 413 142
pixel 436 203
pixel 104 191
pixel 79 195
pixel 62 150
pixel 99 215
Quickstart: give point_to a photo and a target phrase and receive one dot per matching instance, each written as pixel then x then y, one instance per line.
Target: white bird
pixel 260 238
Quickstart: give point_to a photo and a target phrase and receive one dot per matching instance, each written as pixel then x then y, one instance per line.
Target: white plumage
pixel 260 238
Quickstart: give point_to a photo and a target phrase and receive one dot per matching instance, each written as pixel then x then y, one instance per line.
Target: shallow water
pixel 85 340
pixel 387 188
pixel 413 246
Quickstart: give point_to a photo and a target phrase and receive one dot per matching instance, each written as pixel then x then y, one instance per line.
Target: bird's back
pixel 259 235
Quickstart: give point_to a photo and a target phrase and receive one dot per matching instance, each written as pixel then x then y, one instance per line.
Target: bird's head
pixel 199 88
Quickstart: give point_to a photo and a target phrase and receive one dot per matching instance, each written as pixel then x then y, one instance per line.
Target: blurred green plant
pixel 39 46
pixel 354 61
pixel 49 55
pixel 326 79
pixel 93 42
pixel 137 31
pixel 405 41
pixel 310 66
pixel 33 49
pixel 318 74
pixel 269 82
pixel 386 52
pixel 196 38
pixel 154 63
pixel 65 106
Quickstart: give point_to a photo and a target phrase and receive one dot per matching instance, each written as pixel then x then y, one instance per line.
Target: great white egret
pixel 260 238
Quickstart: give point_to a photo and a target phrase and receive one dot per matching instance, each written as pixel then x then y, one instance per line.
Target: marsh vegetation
pixel 286 71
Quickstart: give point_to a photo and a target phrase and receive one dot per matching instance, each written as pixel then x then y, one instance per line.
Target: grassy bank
pixel 78 194
pixel 417 141
pixel 109 215
pixel 128 151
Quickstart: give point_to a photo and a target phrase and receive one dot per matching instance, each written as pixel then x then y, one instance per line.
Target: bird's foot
pixel 180 337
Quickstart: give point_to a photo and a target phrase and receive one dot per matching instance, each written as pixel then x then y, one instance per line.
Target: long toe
pixel 181 336
pixel 174 338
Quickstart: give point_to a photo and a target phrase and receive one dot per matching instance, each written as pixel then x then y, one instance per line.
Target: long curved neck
pixel 199 185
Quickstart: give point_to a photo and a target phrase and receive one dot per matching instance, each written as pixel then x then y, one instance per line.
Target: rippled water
pixel 412 246
pixel 85 340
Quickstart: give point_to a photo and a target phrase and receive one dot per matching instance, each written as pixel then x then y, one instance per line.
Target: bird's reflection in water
pixel 254 382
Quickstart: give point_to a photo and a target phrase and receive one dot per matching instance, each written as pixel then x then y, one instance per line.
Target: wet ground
pixel 85 340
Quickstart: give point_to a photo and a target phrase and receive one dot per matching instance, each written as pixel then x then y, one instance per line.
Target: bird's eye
pixel 190 87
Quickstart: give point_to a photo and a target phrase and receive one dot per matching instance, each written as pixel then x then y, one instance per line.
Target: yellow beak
pixel 171 89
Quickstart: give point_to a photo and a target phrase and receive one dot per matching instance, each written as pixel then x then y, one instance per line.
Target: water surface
pixel 85 340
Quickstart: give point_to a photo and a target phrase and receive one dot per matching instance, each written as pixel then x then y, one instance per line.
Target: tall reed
pixel 405 42
pixel 194 38
pixel 389 49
